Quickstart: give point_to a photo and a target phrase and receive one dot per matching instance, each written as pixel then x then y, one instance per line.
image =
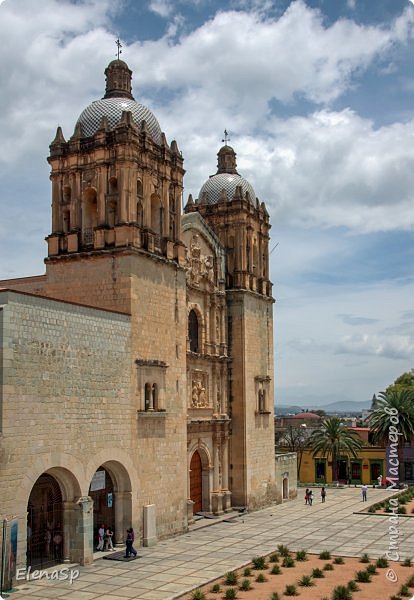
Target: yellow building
pixel 369 464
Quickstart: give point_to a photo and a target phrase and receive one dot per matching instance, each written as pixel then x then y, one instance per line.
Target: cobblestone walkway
pixel 179 564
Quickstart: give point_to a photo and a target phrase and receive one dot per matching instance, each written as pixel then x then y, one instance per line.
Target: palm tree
pixel 333 440
pixel 393 412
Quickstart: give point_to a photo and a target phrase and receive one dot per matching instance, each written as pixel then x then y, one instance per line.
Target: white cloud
pixel 163 8
pixel 396 347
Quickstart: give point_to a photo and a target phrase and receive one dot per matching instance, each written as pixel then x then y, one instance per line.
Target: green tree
pixel 295 439
pixel 393 412
pixel 404 381
pixel 334 440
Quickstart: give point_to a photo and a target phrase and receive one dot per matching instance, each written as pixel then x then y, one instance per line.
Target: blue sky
pixel 318 97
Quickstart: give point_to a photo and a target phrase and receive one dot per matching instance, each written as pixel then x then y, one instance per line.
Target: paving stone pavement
pixel 179 564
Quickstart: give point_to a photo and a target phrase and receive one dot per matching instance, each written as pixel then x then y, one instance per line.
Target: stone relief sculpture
pixel 200 266
pixel 199 396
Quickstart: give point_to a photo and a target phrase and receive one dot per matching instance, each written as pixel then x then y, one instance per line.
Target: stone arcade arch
pixel 112 502
pixel 54 509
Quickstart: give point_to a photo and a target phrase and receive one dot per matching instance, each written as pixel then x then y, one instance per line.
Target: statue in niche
pixel 198 394
pixel 199 265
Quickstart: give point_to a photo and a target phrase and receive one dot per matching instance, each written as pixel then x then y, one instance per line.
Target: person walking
pixel 101 533
pixel 310 497
pixel 379 479
pixel 364 493
pixel 323 494
pixel 108 545
pixel 129 543
pixel 307 496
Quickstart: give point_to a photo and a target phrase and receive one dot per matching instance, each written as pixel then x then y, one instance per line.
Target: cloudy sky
pixel 318 98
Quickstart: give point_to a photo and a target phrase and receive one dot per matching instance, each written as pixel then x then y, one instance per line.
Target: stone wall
pixel 252 441
pixel 286 476
pixel 66 405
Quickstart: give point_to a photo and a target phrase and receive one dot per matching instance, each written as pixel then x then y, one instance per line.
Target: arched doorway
pixel 196 482
pixel 45 523
pixel 285 493
pixel 102 493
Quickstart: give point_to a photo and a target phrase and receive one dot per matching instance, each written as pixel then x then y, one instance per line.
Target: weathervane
pixel 226 137
pixel 119 45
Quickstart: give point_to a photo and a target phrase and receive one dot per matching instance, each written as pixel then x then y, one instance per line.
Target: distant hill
pixel 332 408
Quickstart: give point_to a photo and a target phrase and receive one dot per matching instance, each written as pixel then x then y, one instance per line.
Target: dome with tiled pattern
pixel 118 98
pixel 112 109
pixel 224 181
pixel 226 178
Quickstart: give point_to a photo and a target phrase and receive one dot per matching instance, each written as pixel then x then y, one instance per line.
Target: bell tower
pixel 229 205
pixel 116 183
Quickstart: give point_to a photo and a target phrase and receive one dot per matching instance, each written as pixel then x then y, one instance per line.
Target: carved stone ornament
pixel 199 394
pixel 200 266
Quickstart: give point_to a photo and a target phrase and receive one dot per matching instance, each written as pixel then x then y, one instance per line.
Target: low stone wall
pixel 286 476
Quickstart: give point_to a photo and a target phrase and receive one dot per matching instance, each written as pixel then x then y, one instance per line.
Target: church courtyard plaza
pixel 174 566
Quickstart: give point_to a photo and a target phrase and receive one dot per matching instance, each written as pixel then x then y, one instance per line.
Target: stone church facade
pixel 137 373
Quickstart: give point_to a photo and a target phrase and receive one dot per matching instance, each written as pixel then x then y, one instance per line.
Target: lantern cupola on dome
pixel 226 181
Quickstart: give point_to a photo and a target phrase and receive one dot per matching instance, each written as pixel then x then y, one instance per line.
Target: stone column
pixel 101 180
pixel 82 541
pixel 122 183
pixel 225 463
pixel 55 203
pixel 77 189
pixel 216 464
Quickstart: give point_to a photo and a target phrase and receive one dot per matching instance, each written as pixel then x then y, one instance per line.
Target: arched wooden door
pixel 196 484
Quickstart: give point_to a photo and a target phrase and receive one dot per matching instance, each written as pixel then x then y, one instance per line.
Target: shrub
pixel 245 585
pixel 306 581
pixel 404 591
pixel 290 590
pixel 260 578
pixel 274 596
pixel 247 572
pixel 288 562
pixel 364 558
pixel 198 595
pixel 301 555
pixel 275 570
pixel 230 578
pixel 372 569
pixel 341 592
pixel 412 511
pixel 274 557
pixel 407 563
pixel 325 555
pixel 381 562
pixel 410 582
pixel 230 594
pixel 216 589
pixel 352 586
pixel 328 567
pixel 401 510
pixel 283 550
pixel 338 560
pixel 362 576
pixel 259 562
pixel 395 598
pixel 317 574
pixel 372 509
